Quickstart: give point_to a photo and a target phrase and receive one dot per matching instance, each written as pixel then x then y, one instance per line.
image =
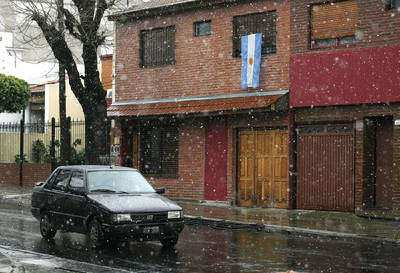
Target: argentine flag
pixel 251 60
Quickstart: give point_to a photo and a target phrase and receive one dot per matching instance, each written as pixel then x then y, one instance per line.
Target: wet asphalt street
pixel 202 249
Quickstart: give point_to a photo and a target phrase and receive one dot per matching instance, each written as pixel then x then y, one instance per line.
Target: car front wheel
pixel 95 234
pixel 169 242
pixel 46 228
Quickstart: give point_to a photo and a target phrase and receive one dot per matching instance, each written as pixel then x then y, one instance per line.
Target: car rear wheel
pixel 95 234
pixel 169 242
pixel 46 227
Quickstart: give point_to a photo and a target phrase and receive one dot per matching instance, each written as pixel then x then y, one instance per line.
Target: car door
pixel 57 199
pixel 75 202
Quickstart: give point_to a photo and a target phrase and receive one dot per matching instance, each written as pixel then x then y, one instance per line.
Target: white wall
pixel 10 117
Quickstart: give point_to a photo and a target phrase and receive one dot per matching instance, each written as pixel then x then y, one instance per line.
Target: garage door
pixel 263 168
pixel 325 167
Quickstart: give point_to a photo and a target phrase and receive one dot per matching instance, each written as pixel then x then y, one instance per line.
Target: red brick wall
pixel 377 26
pixel 190 183
pixel 32 173
pixel 204 65
pixel 396 164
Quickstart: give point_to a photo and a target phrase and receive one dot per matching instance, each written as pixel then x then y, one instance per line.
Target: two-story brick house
pixel 345 92
pixel 185 121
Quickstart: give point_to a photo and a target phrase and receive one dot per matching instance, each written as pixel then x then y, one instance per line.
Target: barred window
pixel 157 46
pixel 159 151
pixel 393 4
pixel 264 23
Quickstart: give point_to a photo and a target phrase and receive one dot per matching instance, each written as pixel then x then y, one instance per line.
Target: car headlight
pixel 117 218
pixel 175 214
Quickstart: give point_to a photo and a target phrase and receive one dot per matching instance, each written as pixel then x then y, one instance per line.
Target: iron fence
pixel 37 141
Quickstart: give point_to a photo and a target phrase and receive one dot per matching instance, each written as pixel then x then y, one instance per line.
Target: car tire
pixel 95 234
pixel 46 227
pixel 169 242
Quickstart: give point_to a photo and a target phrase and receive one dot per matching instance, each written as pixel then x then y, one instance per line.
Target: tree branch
pixel 71 23
pixel 102 6
pixel 62 52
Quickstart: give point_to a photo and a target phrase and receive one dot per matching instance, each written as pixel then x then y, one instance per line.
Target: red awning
pixel 191 106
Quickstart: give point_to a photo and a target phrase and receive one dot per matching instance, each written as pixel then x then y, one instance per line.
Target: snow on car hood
pixel 132 203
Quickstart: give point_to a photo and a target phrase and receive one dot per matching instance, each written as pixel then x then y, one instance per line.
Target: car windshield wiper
pixel 123 192
pixel 102 190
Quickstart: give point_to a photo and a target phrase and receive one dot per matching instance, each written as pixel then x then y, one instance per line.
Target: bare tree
pixel 83 21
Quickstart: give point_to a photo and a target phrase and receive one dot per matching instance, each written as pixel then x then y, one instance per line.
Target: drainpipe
pixel 292 160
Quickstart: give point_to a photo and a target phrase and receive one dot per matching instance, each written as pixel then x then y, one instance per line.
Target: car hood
pixel 133 203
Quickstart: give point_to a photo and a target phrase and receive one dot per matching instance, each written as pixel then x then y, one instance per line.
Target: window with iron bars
pixel 159 146
pixel 264 22
pixel 393 4
pixel 157 46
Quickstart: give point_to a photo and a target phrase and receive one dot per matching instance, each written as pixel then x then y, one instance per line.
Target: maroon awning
pixel 191 106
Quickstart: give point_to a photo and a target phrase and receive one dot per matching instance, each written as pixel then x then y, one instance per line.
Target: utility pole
pixel 21 149
pixel 61 77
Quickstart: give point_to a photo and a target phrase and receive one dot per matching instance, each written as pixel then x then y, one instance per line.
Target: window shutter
pixel 150 146
pixel 334 20
pixel 170 160
pixel 159 154
pixel 157 46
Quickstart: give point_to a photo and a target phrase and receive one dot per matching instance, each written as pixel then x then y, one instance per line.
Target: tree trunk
pixel 96 112
pixel 96 134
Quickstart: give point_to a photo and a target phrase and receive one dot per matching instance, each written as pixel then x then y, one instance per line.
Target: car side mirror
pixel 78 191
pixel 160 190
pixel 39 184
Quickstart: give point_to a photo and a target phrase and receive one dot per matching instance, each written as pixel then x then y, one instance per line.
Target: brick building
pixel 185 121
pixel 345 92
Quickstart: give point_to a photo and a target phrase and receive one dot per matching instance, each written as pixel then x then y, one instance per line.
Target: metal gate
pixel 325 167
pixel 263 168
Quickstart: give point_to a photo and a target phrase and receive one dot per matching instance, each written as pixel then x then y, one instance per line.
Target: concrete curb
pixel 15 196
pixel 249 226
pixel 22 202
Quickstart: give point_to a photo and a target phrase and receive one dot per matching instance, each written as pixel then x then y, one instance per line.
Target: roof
pixel 44 83
pixel 195 105
pixel 157 4
pixel 159 7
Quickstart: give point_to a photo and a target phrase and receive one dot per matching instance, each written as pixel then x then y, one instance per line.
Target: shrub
pixel 39 151
pixel 24 159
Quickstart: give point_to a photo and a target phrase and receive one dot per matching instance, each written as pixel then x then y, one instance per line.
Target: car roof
pixel 96 167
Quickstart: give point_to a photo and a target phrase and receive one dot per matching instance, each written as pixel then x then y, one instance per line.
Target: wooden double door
pixel 263 168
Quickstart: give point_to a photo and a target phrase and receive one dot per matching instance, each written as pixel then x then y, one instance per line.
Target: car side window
pixel 61 180
pixel 77 183
pixel 50 180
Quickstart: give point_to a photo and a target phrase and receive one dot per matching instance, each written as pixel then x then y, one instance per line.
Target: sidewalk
pixel 337 224
pixel 5 264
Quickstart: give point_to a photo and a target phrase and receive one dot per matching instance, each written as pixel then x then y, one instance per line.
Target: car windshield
pixel 118 181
